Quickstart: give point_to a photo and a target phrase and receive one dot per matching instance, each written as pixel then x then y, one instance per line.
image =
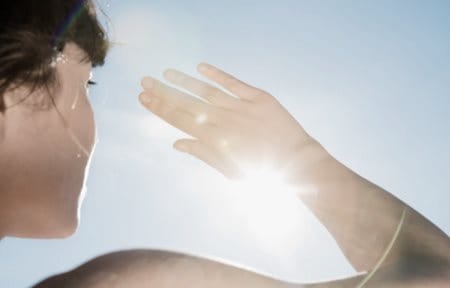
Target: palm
pixel 244 126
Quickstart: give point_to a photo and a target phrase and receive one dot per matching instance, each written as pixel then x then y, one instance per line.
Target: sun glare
pixel 201 119
pixel 270 208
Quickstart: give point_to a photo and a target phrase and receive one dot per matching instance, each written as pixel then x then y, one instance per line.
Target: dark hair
pixel 33 32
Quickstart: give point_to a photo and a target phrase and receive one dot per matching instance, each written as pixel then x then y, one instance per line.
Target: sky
pixel 368 79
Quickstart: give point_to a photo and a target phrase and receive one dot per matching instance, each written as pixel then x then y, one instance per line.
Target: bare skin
pixel 409 251
pixel 242 124
pixel 46 138
pixel 160 269
pixel 146 268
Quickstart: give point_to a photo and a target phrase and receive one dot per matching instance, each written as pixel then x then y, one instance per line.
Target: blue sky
pixel 368 79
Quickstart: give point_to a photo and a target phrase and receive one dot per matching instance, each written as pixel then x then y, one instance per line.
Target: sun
pixel 270 209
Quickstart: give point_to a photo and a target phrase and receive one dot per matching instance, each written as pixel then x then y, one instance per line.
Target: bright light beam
pixel 270 209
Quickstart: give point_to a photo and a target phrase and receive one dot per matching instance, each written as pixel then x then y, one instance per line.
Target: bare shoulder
pixel 162 269
pixel 154 268
pixel 108 268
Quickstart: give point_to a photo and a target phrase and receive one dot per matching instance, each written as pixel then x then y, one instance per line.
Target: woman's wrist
pixel 305 162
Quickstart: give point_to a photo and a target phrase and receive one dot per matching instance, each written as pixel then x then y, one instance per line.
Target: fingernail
pixel 147 83
pixel 145 98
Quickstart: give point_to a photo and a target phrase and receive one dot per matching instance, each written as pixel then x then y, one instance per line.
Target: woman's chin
pixel 65 225
pixel 65 230
pixel 62 229
pixel 59 232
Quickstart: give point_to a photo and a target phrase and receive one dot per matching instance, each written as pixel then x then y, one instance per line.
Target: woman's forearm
pixel 243 125
pixel 364 218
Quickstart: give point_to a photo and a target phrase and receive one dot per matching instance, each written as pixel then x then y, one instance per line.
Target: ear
pixel 2 124
pixel 11 99
pixel 3 116
pixel 24 96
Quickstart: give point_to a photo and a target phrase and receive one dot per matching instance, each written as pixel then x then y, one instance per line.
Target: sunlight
pixel 201 119
pixel 270 209
pixel 148 41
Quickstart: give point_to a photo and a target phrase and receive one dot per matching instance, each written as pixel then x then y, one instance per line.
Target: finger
pixel 209 155
pixel 182 101
pixel 230 83
pixel 210 93
pixel 178 118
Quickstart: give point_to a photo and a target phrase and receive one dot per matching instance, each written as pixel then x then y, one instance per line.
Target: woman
pixel 47 132
pixel 407 250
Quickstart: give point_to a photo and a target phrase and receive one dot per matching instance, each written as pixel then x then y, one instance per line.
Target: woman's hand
pixel 242 127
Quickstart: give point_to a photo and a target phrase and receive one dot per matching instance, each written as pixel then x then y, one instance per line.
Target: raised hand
pixel 232 129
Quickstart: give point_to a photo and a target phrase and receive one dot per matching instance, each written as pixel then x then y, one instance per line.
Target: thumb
pixel 209 155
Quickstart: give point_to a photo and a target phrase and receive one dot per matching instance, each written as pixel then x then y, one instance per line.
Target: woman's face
pixel 45 144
